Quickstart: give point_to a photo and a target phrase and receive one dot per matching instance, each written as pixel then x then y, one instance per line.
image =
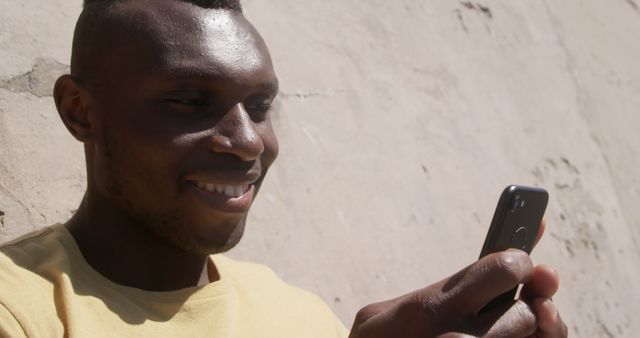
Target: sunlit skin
pixel 184 98
pixel 449 308
pixel 169 98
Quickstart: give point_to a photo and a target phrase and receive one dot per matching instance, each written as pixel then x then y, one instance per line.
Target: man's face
pixel 184 137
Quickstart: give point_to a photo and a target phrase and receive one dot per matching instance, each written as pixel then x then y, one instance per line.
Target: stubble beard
pixel 171 227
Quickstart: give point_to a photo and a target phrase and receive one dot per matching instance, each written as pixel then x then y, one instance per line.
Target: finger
pixel 470 289
pixel 544 283
pixel 543 226
pixel 515 320
pixel 454 335
pixel 550 325
pixel 376 309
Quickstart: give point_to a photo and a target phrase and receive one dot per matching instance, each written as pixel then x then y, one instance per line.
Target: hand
pixel 450 307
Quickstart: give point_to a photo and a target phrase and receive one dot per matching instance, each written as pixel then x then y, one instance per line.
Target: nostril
pixel 245 148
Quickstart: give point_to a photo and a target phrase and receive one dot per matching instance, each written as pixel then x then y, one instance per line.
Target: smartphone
pixel 515 224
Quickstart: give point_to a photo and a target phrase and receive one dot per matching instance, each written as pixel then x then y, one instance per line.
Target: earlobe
pixel 72 107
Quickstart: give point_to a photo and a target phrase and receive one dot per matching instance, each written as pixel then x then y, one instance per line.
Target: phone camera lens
pixel 518 203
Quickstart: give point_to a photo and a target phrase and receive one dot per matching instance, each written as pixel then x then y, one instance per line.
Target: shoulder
pixel 259 278
pixel 262 291
pixel 236 269
pixel 28 251
pixel 34 250
pixel 28 266
pixel 255 280
pixel 32 259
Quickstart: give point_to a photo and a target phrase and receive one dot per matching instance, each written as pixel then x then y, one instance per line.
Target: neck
pixel 126 253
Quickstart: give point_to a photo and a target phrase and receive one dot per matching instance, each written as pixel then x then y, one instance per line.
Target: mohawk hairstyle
pixel 214 4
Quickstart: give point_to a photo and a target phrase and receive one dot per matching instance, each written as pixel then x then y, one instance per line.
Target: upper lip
pixel 228 178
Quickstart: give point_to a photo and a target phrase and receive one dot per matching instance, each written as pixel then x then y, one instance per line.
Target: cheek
pixel 140 169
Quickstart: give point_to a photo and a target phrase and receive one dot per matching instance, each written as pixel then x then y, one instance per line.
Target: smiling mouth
pixel 232 198
pixel 228 190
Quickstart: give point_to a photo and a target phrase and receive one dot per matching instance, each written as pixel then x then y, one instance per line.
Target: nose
pixel 237 134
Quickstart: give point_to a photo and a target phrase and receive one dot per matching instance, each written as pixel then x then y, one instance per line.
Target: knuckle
pixel 418 314
pixel 513 266
pixel 365 313
pixel 420 310
pixel 525 316
pixel 427 304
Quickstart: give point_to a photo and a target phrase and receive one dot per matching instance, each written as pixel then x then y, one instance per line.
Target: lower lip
pixel 223 202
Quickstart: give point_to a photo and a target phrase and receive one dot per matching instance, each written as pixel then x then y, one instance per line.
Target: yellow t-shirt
pixel 47 289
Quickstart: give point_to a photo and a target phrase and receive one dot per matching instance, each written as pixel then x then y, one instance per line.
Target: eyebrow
pixel 185 73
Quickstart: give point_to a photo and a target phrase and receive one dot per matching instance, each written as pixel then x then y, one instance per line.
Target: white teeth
pixel 227 190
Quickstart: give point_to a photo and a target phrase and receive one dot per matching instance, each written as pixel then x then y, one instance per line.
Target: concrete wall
pixel 400 122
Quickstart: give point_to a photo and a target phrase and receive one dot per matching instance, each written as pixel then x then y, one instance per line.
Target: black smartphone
pixel 515 224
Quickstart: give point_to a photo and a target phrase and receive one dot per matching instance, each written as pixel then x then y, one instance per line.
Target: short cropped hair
pixel 96 15
pixel 215 4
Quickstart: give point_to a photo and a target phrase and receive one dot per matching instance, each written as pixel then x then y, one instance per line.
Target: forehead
pixel 182 39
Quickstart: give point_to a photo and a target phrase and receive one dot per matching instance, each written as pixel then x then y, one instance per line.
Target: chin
pixel 197 238
pixel 208 239
pixel 218 242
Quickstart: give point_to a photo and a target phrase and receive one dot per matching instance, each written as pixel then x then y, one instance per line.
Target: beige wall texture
pixel 400 122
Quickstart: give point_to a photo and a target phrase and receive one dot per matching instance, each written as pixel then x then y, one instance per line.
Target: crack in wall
pixel 481 8
pixel 476 7
pixel 461 20
pixel 485 10
pixel 307 95
pixel 12 196
pixel 39 81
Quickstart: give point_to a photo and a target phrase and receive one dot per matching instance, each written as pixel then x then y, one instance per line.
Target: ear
pixel 71 103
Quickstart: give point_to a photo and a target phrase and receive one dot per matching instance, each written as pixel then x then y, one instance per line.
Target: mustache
pixel 230 164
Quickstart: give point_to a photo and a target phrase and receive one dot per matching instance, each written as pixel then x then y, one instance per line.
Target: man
pixel 171 99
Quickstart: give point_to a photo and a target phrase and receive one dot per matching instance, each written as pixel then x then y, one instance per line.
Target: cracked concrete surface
pixel 39 80
pixel 305 95
pixel 485 10
pixel 399 124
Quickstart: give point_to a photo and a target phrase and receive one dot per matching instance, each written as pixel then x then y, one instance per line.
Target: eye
pixel 186 101
pixel 259 109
